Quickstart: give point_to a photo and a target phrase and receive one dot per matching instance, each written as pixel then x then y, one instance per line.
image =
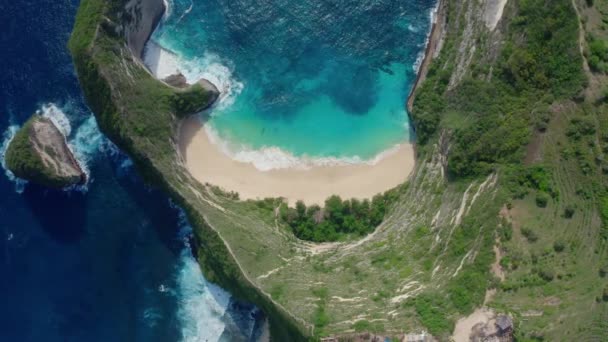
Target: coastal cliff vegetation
pixel 38 153
pixel 338 219
pixel 492 112
pixel 507 207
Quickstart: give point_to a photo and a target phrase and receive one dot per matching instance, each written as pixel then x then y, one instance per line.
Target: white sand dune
pixel 208 164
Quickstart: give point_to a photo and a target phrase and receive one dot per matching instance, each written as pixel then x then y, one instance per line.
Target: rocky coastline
pixel 236 247
pixel 144 17
pixel 39 153
pixel 432 49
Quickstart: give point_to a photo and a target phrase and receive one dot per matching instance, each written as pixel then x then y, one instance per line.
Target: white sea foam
pixel 168 8
pixel 273 158
pixel 86 143
pixel 57 116
pixel 187 11
pixel 163 63
pixel 7 137
pixel 201 305
pixel 420 58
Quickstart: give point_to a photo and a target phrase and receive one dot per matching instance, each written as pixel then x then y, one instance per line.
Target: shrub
pixel 559 246
pixel 529 234
pixel 569 212
pixel 339 218
pixel 432 312
pixel 362 325
pixel 546 274
pixel 542 199
pixel 506 232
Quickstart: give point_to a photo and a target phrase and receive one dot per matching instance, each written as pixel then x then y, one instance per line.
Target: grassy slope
pixel 570 306
pixel 426 265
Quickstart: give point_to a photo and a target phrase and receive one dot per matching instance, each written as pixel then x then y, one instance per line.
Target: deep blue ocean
pixel 106 262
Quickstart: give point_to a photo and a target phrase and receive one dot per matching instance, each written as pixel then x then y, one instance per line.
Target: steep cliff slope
pixel 39 153
pixel 500 76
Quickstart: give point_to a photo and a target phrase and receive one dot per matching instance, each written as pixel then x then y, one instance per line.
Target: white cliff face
pixel 144 15
pixel 493 12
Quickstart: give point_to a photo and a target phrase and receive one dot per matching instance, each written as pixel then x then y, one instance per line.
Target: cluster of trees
pixel 338 218
pixel 597 54
pixel 495 116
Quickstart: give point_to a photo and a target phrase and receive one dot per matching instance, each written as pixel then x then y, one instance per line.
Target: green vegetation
pixel 25 163
pixel 597 54
pixel 432 312
pixel 139 114
pixel 537 64
pixel 338 219
pixel 191 100
pixel 428 266
pixel 520 179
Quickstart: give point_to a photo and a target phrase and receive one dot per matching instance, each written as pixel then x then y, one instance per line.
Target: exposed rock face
pixel 140 20
pixel 177 80
pixel 144 16
pixel 39 153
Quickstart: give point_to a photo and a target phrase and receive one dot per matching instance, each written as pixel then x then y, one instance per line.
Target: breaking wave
pixel 273 158
pixel 85 142
pixel 201 305
pixel 7 137
pixel 163 63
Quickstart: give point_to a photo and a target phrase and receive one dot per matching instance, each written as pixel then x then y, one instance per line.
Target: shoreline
pixel 208 164
pixel 434 41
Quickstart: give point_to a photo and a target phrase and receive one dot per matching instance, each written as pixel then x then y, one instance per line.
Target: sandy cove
pixel 208 164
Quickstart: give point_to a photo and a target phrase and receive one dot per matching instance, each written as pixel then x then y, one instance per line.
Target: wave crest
pixel 163 63
pixel 7 137
pixel 57 116
pixel 86 142
pixel 274 158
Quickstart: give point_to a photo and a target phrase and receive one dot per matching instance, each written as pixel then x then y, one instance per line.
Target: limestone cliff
pixel 39 153
pixel 428 263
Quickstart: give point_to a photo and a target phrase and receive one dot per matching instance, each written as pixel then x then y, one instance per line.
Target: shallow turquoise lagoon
pixel 315 79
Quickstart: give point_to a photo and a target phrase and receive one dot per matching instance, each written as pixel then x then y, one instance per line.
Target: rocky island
pixel 39 153
pixel 479 223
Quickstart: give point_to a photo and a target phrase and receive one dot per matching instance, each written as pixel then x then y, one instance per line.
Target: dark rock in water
pixel 177 80
pixel 210 89
pixel 39 153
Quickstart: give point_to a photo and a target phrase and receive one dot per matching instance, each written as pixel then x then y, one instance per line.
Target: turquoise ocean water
pixel 317 79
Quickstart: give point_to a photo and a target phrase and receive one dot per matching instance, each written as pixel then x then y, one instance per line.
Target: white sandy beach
pixel 208 164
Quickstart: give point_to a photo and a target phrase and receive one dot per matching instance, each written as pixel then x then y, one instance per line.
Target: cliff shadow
pixel 162 217
pixel 62 214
